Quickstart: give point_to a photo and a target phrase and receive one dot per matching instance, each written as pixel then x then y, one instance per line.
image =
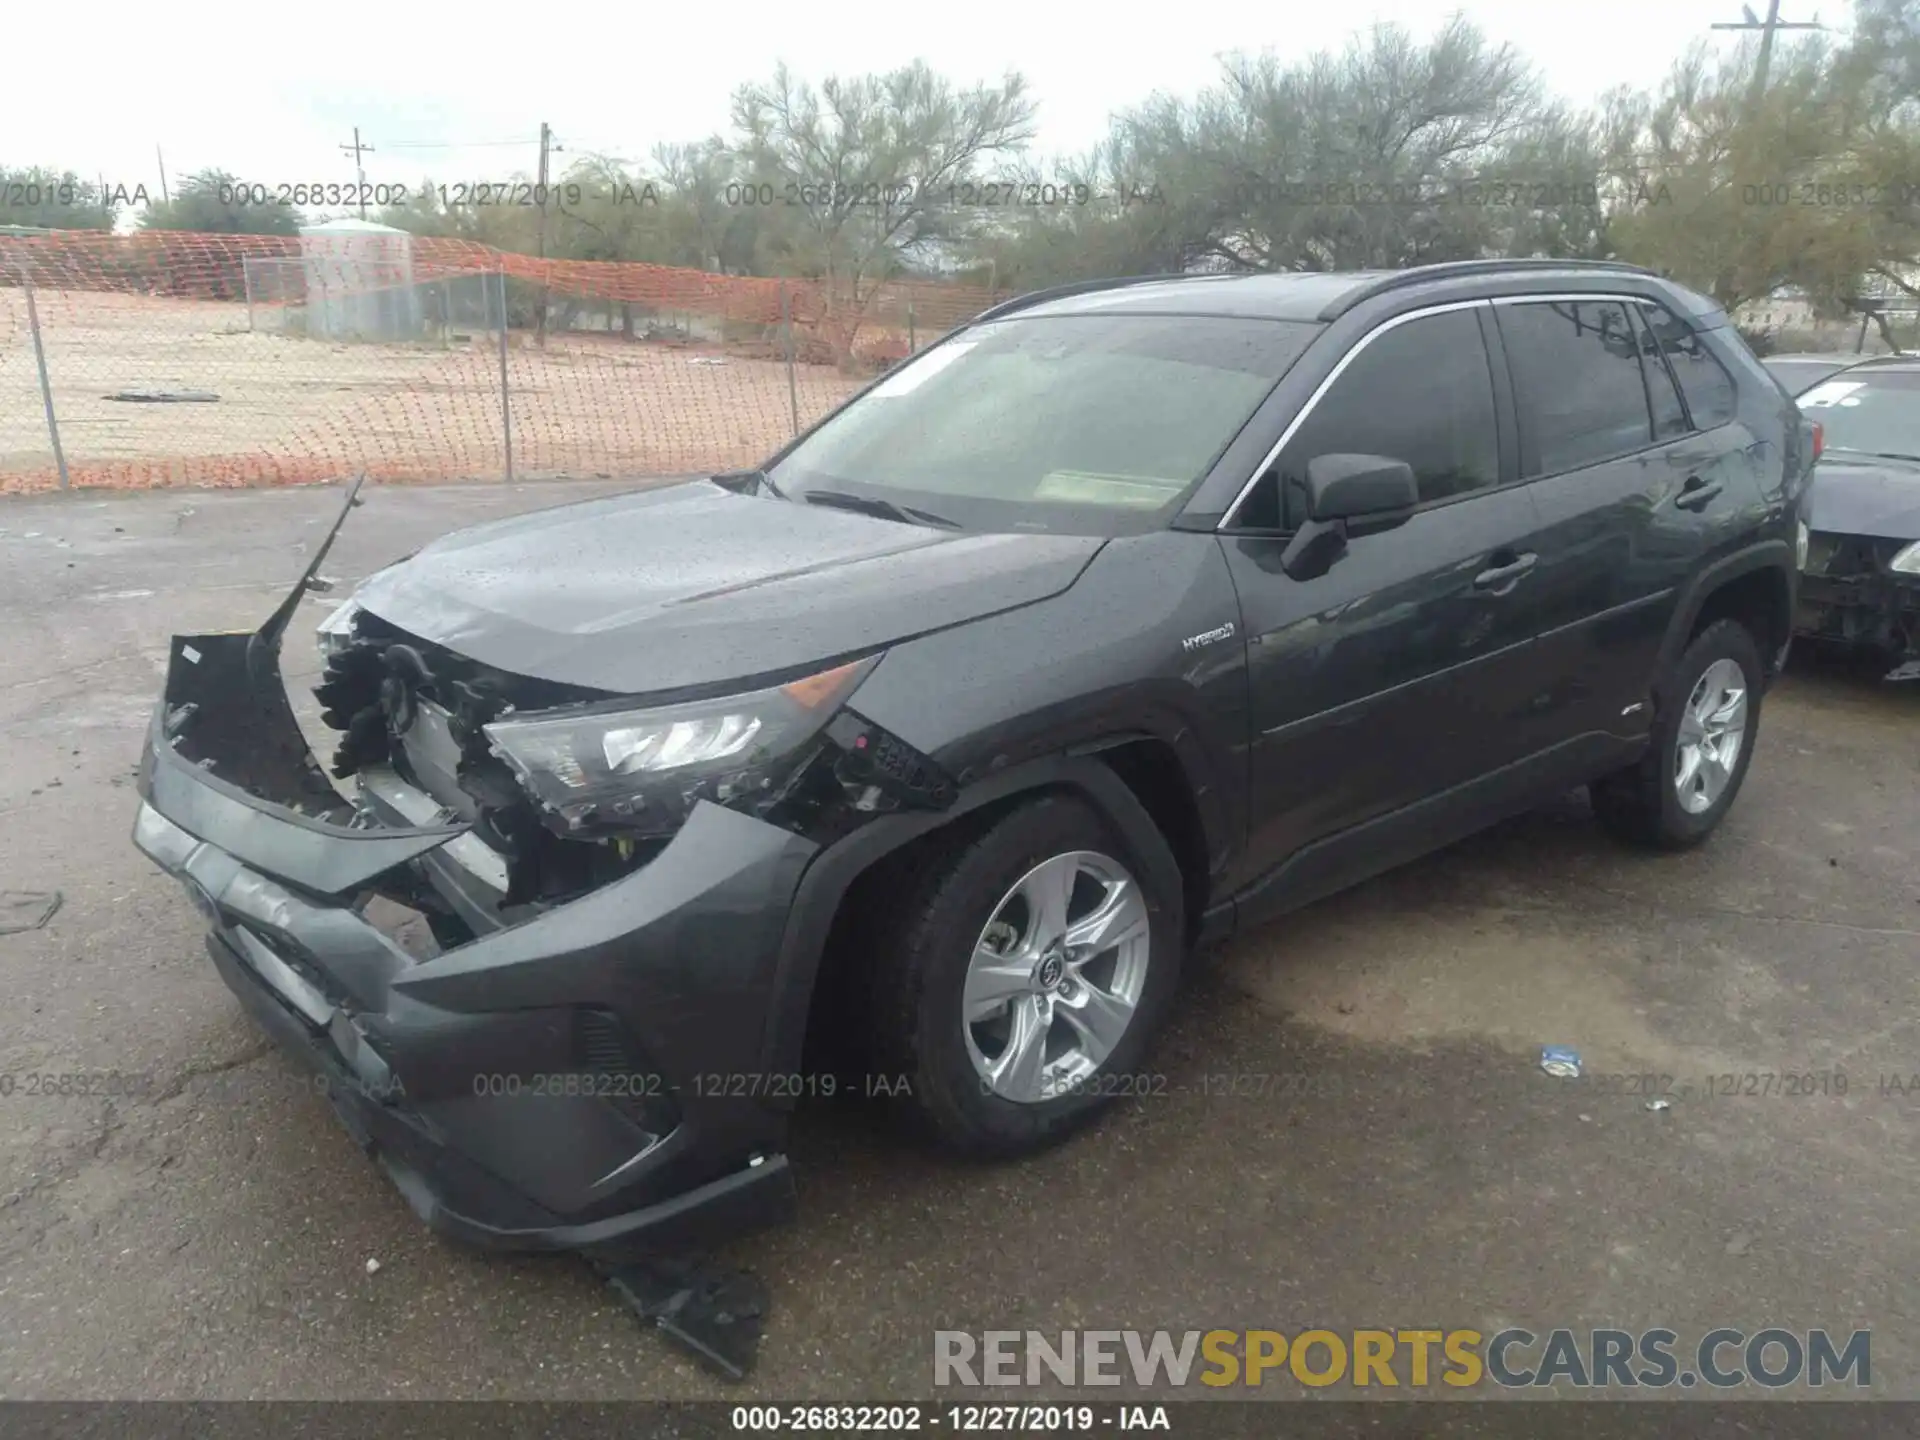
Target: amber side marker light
pixel 810 692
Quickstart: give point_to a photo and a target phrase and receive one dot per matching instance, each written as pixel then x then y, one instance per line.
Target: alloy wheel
pixel 1056 976
pixel 1713 727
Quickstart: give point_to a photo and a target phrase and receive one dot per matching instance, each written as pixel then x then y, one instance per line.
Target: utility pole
pixel 540 193
pixel 1768 28
pixel 165 199
pixel 356 149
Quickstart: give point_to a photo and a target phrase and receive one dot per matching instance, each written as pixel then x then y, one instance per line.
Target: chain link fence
pixel 165 359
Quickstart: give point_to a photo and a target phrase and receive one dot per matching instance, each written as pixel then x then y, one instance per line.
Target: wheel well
pixel 1758 600
pixel 1149 768
pixel 1158 781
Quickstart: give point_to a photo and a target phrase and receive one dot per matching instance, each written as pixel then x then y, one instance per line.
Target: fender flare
pixel 1765 555
pixel 833 871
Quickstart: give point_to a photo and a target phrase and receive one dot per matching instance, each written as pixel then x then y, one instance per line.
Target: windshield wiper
pixel 873 505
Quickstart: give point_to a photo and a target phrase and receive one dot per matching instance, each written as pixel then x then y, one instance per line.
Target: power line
pixel 453 144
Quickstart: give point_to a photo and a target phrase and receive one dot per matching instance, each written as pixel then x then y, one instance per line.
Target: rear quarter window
pixel 1704 381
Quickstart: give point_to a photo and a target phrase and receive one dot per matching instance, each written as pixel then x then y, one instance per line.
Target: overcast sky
pixel 271 91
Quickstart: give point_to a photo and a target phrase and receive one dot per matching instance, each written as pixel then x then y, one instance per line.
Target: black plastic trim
pixel 827 879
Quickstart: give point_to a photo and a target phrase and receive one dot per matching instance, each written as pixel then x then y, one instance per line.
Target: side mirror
pixel 1350 487
pixel 1343 490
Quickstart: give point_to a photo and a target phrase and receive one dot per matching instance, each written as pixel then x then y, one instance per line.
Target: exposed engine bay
pixel 1852 594
pixel 411 710
pixel 419 709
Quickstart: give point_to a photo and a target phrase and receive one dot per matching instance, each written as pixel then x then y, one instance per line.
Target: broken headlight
pixel 594 768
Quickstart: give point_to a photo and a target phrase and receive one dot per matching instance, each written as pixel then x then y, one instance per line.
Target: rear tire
pixel 1681 789
pixel 972 934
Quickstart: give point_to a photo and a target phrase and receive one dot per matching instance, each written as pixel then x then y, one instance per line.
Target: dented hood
pixel 1865 495
pixel 693 584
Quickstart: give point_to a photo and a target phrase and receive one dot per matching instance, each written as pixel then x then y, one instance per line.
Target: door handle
pixel 1502 578
pixel 1696 493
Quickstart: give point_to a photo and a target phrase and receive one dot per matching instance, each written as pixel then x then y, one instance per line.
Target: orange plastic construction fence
pixel 187 359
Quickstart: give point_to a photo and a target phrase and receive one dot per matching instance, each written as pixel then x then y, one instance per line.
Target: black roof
pixel 1289 295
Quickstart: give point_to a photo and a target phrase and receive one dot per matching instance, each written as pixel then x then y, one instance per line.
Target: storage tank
pixel 359 282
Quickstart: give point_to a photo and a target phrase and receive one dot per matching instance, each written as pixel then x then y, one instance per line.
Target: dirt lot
pixel 293 410
pixel 211 1239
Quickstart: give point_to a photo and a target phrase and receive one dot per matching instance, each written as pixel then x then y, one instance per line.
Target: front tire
pixel 1018 981
pixel 1707 721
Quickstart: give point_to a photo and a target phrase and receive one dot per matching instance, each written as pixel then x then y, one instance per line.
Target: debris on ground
pixel 1560 1062
pixel 164 397
pixel 1740 1244
pixel 706 360
pixel 27 909
pixel 373 1266
pixel 1659 1103
pixel 715 1314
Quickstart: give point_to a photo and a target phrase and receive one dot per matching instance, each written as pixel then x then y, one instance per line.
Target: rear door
pixel 1627 489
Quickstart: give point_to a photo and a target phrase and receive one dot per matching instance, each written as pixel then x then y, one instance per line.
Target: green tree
pixel 1391 152
pixel 862 170
pixel 213 202
pixel 52 199
pixel 1812 182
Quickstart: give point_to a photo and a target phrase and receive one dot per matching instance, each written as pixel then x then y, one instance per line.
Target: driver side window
pixel 1421 392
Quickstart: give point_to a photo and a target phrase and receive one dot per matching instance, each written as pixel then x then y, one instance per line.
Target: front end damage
pixel 1853 596
pixel 558 1072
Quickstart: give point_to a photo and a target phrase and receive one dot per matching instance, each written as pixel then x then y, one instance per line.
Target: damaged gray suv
pixel 1126 616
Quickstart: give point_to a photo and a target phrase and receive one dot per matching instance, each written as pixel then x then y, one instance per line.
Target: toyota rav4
pixel 1127 616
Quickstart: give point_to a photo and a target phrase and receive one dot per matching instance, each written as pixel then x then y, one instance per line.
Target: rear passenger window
pixel 1669 418
pixel 1576 375
pixel 1421 392
pixel 1703 379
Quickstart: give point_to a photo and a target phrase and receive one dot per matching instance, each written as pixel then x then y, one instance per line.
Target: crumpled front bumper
pixel 565 1083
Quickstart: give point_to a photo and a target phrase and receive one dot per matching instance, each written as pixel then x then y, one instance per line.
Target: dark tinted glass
pixel 1421 392
pixel 1576 372
pixel 1669 419
pixel 1703 379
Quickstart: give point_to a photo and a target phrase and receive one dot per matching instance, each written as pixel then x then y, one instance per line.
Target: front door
pixel 1399 675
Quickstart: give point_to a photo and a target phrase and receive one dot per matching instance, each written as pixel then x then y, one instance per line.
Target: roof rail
pixel 1060 292
pixel 1449 269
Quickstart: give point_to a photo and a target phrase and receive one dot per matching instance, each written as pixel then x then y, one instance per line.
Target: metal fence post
pixel 246 279
pixel 786 333
pixel 46 386
pixel 912 349
pixel 506 407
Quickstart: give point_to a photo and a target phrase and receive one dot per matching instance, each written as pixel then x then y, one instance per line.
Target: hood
pixel 692 585
pixel 1865 495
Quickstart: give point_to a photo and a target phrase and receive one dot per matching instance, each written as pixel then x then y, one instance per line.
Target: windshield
pixel 1876 413
pixel 1093 424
